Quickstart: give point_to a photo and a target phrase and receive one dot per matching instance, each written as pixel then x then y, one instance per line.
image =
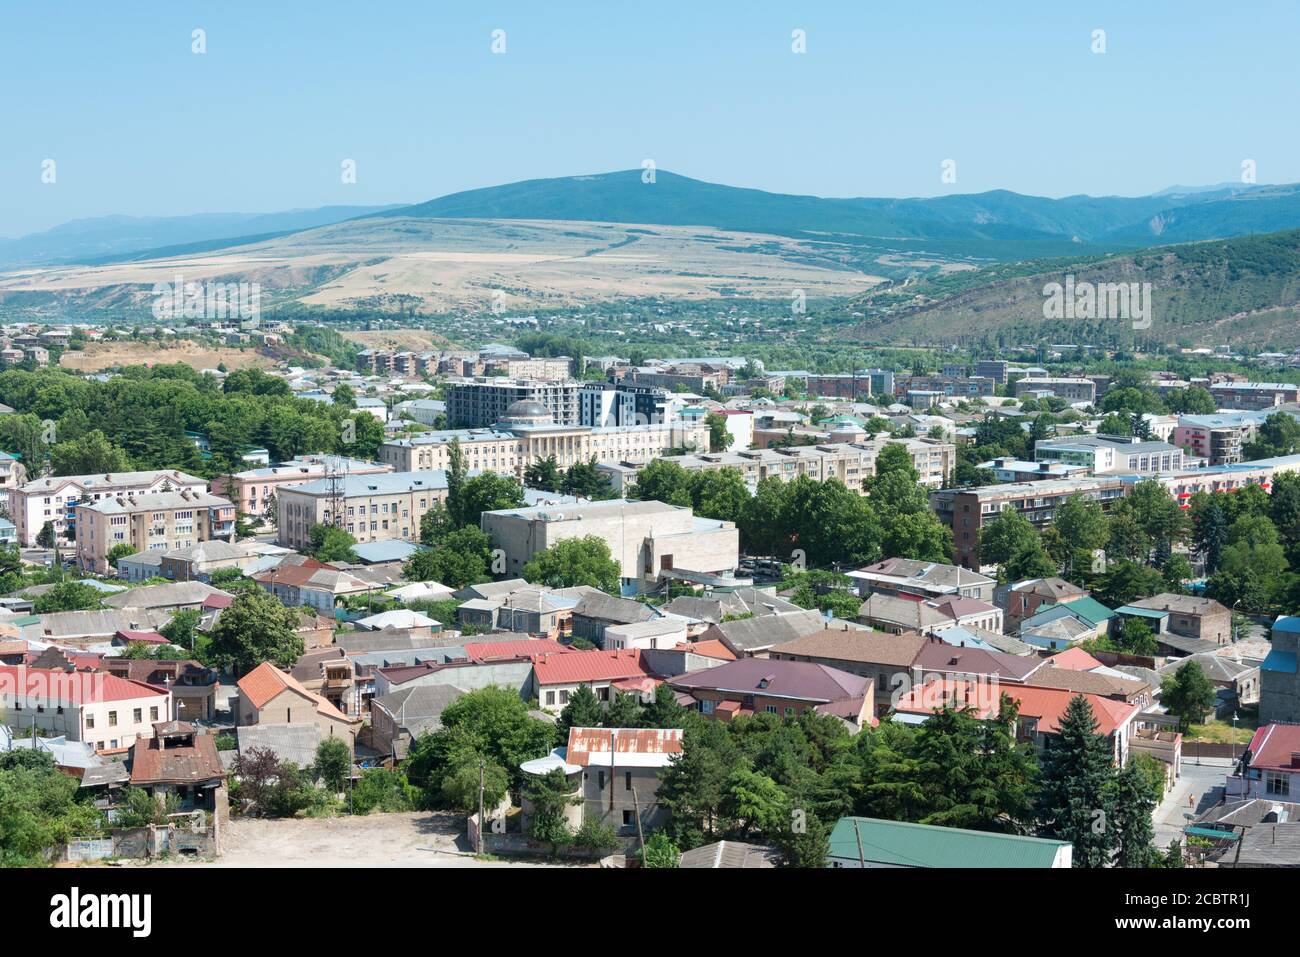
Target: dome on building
pixel 527 412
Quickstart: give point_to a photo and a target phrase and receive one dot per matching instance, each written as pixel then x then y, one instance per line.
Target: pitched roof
pixel 1180 604
pixel 418 707
pixel 609 608
pixel 750 635
pixel 1273 745
pixel 631 747
pixel 1091 682
pixel 939 656
pixel 800 680
pixel 1075 658
pixel 901 611
pixel 152 763
pixel 903 844
pixel 163 596
pixel 730 854
pixel 266 681
pixel 288 742
pixel 576 667
pixel 709 648
pixel 73 687
pixel 863 646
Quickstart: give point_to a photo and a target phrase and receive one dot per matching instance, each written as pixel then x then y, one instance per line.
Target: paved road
pixel 1203 784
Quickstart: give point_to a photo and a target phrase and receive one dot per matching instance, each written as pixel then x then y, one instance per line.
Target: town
pixel 685 613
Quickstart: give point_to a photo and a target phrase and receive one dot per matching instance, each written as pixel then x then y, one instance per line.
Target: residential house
pixel 268 695
pixel 397 719
pixel 1270 768
pixel 193 686
pixel 1021 600
pixel 787 688
pixel 1192 617
pixel 557 676
pixel 180 759
pixel 884 658
pixel 103 710
pixel 905 577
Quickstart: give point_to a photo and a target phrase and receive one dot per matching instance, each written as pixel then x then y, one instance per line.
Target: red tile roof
pixel 74 687
pixel 577 667
pixel 709 648
pixel 486 650
pixel 1273 745
pixel 1046 705
pixel 266 681
pixel 1075 658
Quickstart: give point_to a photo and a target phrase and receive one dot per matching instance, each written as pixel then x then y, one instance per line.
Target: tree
pixel 92 454
pixel 660 851
pixel 1125 581
pixel 117 552
pixel 805 847
pixel 487 492
pixel 1188 694
pixel 754 802
pixel 664 711
pixel 45 537
pixel 1156 512
pixel 1081 528
pixel 720 438
pixel 543 474
pixel 343 396
pixel 1075 799
pixel 1134 803
pixel 585 480
pixel 549 795
pixel 462 558
pixel 183 629
pixel 582 711
pixel 68 596
pixel 333 764
pixel 1279 434
pixel 624 711
pixel 1136 638
pixel 575 561
pixel 331 543
pixel 255 628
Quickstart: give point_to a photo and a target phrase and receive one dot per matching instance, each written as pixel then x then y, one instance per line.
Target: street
pixel 1204 783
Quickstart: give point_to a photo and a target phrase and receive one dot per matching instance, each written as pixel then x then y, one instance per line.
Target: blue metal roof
pixel 1279 661
pixel 393 550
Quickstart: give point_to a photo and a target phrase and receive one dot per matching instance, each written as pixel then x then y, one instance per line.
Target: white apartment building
pixel 53 499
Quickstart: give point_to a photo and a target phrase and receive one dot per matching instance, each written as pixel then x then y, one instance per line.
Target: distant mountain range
pixel 998 225
pixel 90 241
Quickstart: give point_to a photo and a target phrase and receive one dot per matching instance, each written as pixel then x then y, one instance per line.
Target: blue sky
pixel 140 125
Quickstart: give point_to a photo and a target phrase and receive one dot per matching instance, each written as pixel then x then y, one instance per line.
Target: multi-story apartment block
pixel 1072 390
pixel 967 510
pixel 376 507
pixel 995 369
pixel 651 541
pixel 486 400
pixel 851 463
pixel 164 521
pixel 529 367
pixel 254 490
pixel 956 386
pixel 527 434
pixel 1254 395
pixel 53 499
pixel 1218 438
pixel 1102 454
pixel 697 379
pixel 12 475
pixel 856 387
pixel 606 404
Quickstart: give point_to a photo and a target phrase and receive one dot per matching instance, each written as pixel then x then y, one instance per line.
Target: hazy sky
pixel 138 124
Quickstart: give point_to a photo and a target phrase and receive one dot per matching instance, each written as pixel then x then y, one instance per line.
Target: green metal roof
pixel 923 845
pixel 1141 612
pixel 1087 608
pixel 1194 831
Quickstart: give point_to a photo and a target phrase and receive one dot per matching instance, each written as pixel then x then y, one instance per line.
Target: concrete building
pixel 163 521
pixel 851 463
pixel 104 711
pixel 376 507
pixel 1102 454
pixel 1217 438
pixel 966 511
pixel 254 490
pixel 53 499
pixel 995 369
pixel 1254 395
pixel 527 433
pixel 651 541
pixel 485 400
pixel 1070 389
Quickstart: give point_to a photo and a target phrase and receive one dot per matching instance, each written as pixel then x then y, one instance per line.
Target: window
pixel 627 819
pixel 600 781
pixel 90 722
pixel 550 697
pixel 1276 784
pixel 153 714
pixel 137 715
pixel 112 720
pixel 627 780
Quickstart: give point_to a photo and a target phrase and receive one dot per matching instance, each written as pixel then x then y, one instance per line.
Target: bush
pixel 594 836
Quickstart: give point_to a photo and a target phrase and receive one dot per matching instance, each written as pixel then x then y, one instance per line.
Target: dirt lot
pixel 377 840
pixel 105 355
pixel 413 340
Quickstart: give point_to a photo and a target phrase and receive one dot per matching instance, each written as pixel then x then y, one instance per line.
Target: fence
pixel 1212 749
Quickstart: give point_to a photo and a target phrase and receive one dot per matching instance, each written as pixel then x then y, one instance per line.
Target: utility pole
pixel 858 834
pixel 640 834
pixel 480 807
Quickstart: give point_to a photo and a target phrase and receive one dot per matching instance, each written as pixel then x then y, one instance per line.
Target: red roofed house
pixel 1041 709
pixel 1270 767
pixel 180 759
pixel 557 676
pixel 104 711
pixel 268 695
